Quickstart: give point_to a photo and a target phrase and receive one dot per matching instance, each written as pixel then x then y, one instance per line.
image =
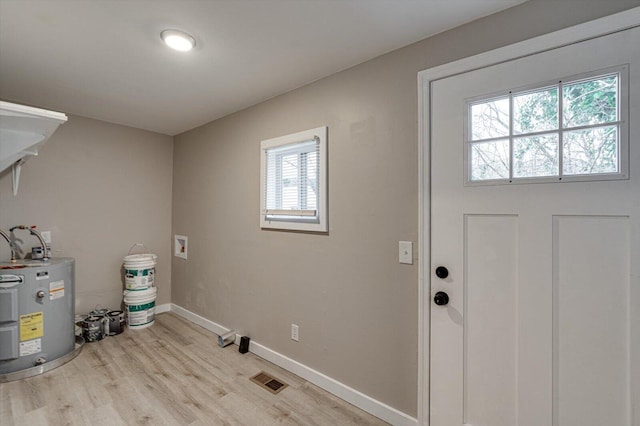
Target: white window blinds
pixel 291 183
pixel 293 180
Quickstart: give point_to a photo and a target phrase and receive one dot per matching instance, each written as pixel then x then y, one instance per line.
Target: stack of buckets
pixel 140 293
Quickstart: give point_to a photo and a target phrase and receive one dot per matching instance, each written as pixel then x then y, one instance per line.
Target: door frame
pixel 610 24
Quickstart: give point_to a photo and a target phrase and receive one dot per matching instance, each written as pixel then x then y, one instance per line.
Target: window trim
pixel 622 123
pixel 304 220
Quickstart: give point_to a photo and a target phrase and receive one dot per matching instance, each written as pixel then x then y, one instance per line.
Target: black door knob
pixel 442 272
pixel 441 298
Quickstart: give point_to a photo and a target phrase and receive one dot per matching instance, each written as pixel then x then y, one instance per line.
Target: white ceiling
pixel 105 60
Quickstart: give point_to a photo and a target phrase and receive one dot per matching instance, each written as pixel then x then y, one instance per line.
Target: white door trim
pixel 599 27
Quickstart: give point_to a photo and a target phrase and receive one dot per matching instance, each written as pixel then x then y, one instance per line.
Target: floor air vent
pixel 268 382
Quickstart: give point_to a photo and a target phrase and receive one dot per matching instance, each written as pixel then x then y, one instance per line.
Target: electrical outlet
pixel 294 332
pixel 46 236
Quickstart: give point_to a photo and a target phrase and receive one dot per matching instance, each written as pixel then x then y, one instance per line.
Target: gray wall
pixel 355 305
pixel 99 188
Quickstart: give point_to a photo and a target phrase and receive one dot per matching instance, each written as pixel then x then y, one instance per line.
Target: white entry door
pixel 542 322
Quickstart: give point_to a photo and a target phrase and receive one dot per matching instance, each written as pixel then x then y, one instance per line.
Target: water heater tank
pixel 37 311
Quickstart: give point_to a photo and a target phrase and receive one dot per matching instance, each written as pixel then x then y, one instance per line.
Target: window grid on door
pixel 572 129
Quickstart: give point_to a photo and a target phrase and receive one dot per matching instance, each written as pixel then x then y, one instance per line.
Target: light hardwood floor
pixel 172 373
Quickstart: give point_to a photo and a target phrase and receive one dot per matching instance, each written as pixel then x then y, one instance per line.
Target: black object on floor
pixel 244 345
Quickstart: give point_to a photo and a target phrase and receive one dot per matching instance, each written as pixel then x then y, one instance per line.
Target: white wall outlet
pixel 405 252
pixel 180 246
pixel 294 332
pixel 46 236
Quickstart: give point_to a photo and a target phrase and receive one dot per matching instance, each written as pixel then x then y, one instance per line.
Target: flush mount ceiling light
pixel 178 40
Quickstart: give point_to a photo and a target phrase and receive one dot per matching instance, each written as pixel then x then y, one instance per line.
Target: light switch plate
pixel 405 252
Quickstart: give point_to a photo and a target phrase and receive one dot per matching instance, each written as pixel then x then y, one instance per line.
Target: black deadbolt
pixel 442 272
pixel 441 298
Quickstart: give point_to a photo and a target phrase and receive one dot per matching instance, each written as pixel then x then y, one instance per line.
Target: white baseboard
pixel 357 398
pixel 197 319
pixel 165 307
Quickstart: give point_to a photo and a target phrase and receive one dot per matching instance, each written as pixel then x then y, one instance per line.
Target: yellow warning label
pixel 31 326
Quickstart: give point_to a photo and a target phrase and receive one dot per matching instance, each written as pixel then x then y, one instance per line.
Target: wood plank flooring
pixel 172 373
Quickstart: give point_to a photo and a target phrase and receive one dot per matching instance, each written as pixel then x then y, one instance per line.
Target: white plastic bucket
pixel 140 307
pixel 139 271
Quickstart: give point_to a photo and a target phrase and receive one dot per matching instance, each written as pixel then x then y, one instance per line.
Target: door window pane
pixel 490 160
pixel 590 102
pixel 535 156
pixel 535 111
pixel 490 119
pixel 591 151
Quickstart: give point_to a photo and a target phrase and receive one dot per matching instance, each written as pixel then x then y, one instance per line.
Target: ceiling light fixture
pixel 178 40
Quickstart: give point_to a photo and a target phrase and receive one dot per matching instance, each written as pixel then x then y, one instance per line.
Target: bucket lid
pixel 151 291
pixel 140 258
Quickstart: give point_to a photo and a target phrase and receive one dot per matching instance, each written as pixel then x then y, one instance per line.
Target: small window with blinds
pixel 293 181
